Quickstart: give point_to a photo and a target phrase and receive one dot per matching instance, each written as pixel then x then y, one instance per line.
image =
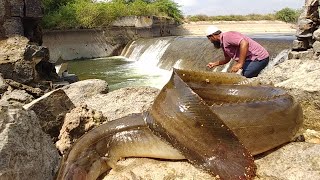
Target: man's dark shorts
pixel 253 68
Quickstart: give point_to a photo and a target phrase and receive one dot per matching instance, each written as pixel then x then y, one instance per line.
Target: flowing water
pixel 148 62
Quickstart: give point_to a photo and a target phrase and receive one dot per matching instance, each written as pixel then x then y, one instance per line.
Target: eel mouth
pixel 194 117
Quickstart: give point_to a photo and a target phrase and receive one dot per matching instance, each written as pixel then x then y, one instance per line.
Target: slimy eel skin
pixel 217 121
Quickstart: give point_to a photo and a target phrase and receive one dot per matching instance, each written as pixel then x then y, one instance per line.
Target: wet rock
pixel 76 123
pixel 78 92
pixel 51 109
pixel 26 152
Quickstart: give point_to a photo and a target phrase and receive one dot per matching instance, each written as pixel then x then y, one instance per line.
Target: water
pixel 119 72
pixel 148 62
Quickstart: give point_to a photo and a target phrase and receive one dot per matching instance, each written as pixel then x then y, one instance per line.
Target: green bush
pixel 62 14
pixel 287 15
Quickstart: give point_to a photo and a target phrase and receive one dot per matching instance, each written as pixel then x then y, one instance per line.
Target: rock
pixel 288 69
pixel 21 18
pixel 316 46
pixel 51 109
pixel 76 123
pixel 16 98
pixel 12 64
pixel 3 85
pixel 13 26
pixel 36 53
pixel 305 55
pixel 292 161
pixel 143 168
pixel 36 92
pixel 312 136
pixel 307 19
pixel 124 101
pixel 26 152
pixel 24 72
pixel 316 35
pixel 80 91
pixel 299 45
pixel 33 9
pixel 12 50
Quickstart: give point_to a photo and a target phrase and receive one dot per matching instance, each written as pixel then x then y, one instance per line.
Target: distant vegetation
pixel 287 15
pixel 64 14
pixel 70 14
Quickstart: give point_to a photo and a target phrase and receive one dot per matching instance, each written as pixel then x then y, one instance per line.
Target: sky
pixel 236 7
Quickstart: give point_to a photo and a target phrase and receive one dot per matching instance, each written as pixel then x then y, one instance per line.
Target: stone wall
pixel 307 44
pixel 21 17
pixel 93 43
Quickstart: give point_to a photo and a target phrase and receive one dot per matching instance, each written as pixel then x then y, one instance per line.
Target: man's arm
pixel 217 63
pixel 244 47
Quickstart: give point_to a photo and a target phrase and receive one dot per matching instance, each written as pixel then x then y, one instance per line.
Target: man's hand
pixel 235 68
pixel 213 64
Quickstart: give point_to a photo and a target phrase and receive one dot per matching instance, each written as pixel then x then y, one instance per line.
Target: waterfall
pixel 148 51
pixel 194 52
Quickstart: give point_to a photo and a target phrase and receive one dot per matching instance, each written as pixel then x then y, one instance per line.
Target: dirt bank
pixel 247 27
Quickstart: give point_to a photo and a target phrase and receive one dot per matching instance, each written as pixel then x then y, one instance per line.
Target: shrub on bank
pixel 65 14
pixel 286 15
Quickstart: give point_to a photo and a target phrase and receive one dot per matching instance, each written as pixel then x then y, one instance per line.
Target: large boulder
pixel 76 123
pixel 80 91
pixel 26 151
pixel 124 101
pixel 51 109
pixel 21 18
pixel 23 62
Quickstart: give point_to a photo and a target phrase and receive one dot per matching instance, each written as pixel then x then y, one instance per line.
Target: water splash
pixel 281 57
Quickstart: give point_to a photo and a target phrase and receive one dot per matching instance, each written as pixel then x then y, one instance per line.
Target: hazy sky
pixel 241 7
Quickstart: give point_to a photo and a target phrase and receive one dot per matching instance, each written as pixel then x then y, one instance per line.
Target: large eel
pixel 217 121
